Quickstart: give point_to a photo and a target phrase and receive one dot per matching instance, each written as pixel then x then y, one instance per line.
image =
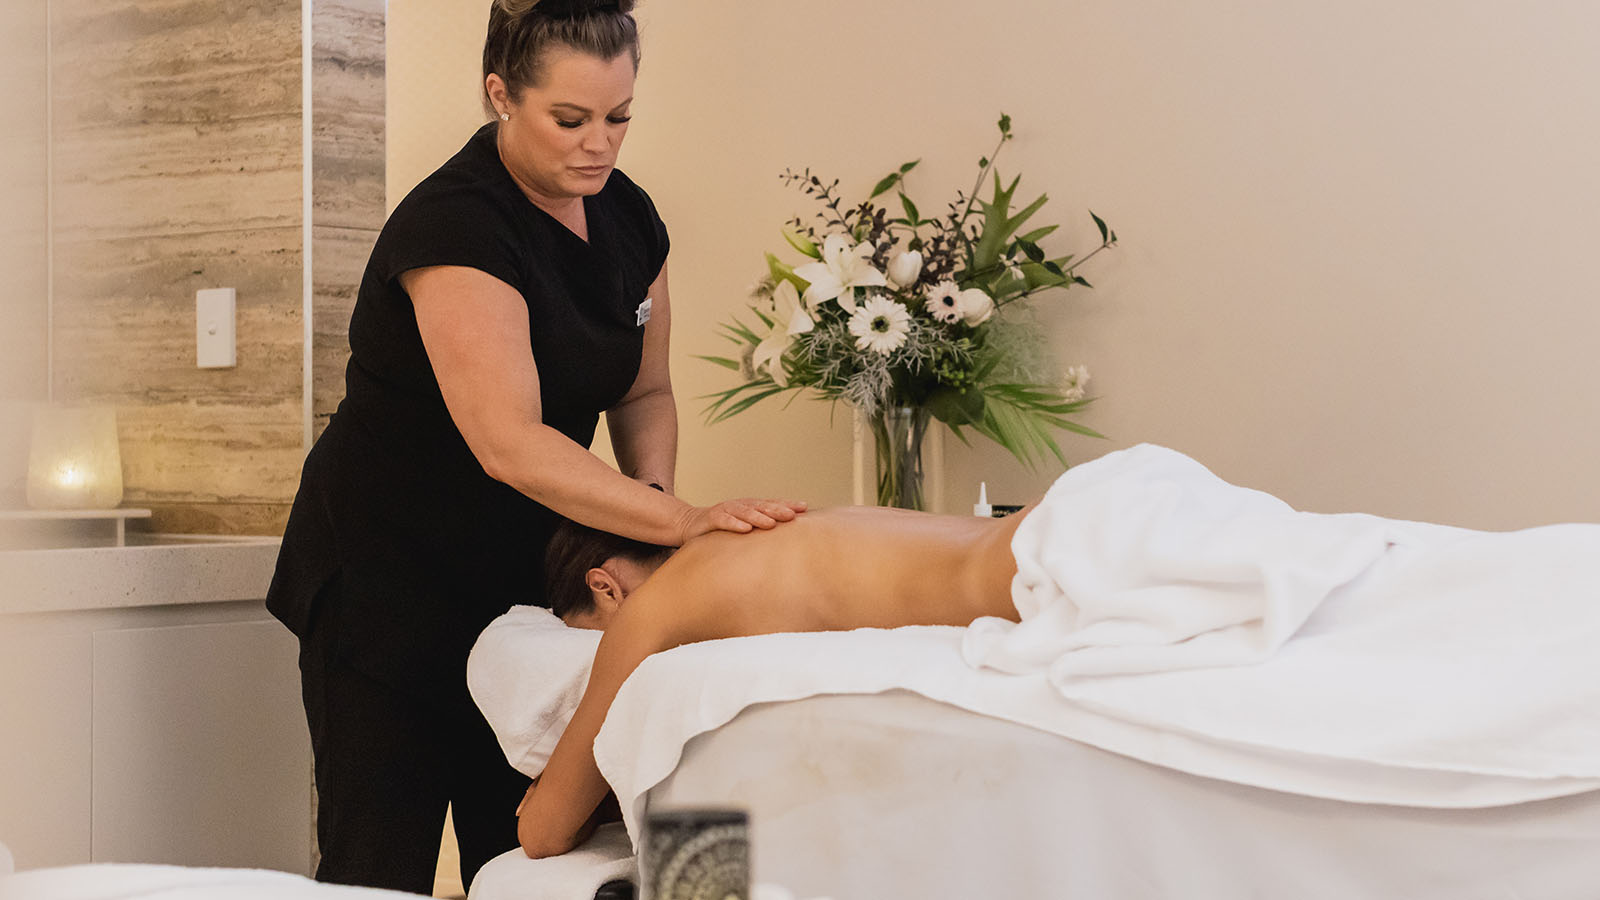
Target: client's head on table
pixel 588 573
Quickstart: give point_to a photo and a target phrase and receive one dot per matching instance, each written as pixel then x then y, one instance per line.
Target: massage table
pixel 893 794
pixel 1265 703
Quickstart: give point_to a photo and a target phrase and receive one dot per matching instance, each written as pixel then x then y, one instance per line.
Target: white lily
pixel 976 306
pixel 789 319
pixel 843 268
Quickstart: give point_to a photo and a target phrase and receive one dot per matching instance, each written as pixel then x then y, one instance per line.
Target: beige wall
pixel 1356 237
pixel 435 52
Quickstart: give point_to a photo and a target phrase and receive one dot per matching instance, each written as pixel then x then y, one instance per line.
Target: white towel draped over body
pixel 1143 561
pixel 1156 594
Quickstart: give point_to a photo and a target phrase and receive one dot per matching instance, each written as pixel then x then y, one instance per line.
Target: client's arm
pixel 557 814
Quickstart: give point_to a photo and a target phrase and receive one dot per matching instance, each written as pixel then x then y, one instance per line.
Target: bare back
pixel 841 568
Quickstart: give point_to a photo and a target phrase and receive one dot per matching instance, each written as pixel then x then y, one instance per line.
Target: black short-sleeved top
pixel 426 547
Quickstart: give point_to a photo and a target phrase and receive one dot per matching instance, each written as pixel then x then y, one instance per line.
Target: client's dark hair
pixel 575 549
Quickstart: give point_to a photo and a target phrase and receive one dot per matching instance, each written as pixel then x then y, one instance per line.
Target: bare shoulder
pixel 680 602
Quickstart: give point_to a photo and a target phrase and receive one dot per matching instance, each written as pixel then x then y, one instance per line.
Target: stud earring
pixel 505 117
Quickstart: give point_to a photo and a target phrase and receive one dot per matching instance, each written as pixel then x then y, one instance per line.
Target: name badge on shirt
pixel 642 314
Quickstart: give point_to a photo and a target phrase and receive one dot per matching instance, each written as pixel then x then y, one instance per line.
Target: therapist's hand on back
pixel 741 515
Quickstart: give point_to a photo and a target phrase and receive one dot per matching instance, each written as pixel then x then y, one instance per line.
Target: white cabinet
pixel 199 752
pixel 155 732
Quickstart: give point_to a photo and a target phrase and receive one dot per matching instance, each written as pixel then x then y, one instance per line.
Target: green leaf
pixel 722 361
pixel 1031 250
pixel 1101 224
pixel 911 209
pixel 726 405
pixel 1016 221
pixel 907 167
pixel 887 182
pixel 738 333
pixel 1005 125
pixel 956 408
pixel 782 271
pixel 801 243
pixel 749 401
pixel 998 227
pixel 1038 233
pixel 993 236
pixel 1022 417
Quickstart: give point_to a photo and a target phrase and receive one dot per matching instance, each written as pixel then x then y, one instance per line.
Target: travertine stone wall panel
pixel 179 164
pixel 347 195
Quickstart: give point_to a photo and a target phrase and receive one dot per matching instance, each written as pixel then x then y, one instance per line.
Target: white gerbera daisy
pixel 944 302
pixel 880 324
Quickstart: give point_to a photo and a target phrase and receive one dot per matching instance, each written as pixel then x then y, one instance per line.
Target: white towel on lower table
pixel 118 881
pixel 576 875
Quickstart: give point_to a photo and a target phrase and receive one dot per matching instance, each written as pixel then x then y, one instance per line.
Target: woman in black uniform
pixel 512 297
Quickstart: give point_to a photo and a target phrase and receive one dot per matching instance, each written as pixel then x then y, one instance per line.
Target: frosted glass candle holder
pixel 74 461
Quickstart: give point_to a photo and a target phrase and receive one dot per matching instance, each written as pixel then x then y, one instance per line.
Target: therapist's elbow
pixel 506 460
pixel 497 466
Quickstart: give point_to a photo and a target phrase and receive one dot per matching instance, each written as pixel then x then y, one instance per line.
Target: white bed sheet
pixel 895 795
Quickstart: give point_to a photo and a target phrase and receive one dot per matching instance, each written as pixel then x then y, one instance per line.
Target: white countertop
pixel 160 570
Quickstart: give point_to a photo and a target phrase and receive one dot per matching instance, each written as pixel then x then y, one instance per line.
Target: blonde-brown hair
pixel 522 32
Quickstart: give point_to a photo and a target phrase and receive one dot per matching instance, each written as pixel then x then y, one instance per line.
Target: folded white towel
pixel 575 875
pixel 1144 561
pixel 527 673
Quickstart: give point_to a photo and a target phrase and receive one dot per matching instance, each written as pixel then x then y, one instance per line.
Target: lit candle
pixel 74 461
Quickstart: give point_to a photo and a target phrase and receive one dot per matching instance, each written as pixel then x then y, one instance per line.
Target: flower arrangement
pixel 905 318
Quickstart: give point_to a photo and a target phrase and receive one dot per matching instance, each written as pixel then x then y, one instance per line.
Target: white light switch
pixel 213 332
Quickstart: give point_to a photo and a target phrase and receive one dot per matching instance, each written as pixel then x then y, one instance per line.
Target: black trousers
pixel 387 764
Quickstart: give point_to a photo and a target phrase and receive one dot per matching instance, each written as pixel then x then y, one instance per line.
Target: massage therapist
pixel 514 295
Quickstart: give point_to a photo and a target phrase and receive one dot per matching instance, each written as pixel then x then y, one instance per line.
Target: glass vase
pixel 897 433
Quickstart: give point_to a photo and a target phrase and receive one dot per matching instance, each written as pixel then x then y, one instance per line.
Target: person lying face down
pixel 829 570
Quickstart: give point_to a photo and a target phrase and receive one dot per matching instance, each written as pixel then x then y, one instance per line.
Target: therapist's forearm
pixel 549 467
pixel 644 437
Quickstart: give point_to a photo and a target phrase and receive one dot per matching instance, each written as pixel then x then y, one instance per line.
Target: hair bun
pixel 567 9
